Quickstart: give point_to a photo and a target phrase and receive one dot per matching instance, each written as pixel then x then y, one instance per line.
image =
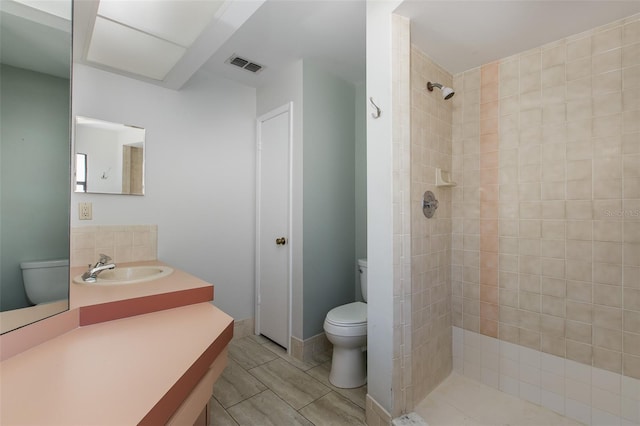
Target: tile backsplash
pixel 124 243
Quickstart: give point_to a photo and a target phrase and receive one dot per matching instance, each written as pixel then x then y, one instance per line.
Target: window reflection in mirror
pixel 81 172
pixel 109 157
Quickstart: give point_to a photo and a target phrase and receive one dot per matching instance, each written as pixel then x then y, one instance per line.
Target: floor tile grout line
pixel 305 417
pixel 306 372
pixel 258 380
pixel 270 389
pixel 330 388
pixel 253 376
pixel 302 371
pixel 339 396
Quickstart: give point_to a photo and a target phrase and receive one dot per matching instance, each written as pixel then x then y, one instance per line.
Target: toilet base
pixel 348 368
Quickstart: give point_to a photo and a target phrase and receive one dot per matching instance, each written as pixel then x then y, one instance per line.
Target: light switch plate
pixel 85 211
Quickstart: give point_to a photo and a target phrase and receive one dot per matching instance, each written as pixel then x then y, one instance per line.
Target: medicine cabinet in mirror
pixel 109 157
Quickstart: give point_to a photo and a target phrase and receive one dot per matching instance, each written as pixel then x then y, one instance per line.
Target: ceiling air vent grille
pixel 244 64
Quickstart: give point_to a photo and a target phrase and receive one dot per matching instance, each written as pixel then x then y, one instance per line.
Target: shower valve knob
pixel 429 204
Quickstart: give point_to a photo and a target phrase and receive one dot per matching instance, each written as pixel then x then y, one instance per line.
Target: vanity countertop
pixel 100 302
pixel 16 318
pixel 93 294
pixel 133 370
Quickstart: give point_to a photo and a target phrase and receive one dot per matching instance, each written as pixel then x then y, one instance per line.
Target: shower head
pixel 447 92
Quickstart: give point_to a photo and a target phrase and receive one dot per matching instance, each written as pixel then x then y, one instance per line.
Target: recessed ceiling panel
pixel 178 21
pixel 126 49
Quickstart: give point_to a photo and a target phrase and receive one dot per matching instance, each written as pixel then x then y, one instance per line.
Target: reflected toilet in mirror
pixel 46 281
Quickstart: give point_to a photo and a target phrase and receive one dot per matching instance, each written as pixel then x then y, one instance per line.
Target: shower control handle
pixel 429 204
pixel 281 241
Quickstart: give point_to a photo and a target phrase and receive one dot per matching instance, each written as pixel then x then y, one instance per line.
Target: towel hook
pixel 378 111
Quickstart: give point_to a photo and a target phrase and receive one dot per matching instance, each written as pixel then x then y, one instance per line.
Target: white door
pixel 273 288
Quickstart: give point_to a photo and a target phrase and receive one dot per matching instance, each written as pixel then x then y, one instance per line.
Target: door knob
pixel 281 241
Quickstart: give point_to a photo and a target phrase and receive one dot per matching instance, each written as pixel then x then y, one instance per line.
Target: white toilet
pixel 46 280
pixel 346 328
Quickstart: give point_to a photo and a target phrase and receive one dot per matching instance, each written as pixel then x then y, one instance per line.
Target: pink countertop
pixel 93 294
pixel 101 302
pixel 122 372
pixel 16 318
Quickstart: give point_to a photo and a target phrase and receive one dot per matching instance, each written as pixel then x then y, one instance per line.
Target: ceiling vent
pixel 245 64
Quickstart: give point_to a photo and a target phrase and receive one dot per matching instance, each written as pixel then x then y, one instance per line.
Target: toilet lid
pixel 351 314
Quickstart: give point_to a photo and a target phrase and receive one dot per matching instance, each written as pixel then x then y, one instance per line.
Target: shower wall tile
pixel 433 305
pixel 489 196
pixel 546 148
pixel 585 393
pixel 403 319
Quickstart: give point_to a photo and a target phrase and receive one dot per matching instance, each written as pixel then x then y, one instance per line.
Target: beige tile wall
pixel 402 321
pixel 489 195
pixel 568 198
pixel 465 204
pixel 431 132
pixel 123 243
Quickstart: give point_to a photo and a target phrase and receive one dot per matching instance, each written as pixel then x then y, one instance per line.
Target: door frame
pixel 284 109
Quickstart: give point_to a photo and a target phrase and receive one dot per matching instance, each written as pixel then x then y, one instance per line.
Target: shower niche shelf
pixel 443 178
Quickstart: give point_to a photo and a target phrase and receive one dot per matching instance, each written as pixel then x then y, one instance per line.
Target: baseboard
pixel 376 415
pixel 243 328
pixel 306 350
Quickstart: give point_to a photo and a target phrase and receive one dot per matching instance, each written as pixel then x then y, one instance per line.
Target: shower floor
pixel 461 401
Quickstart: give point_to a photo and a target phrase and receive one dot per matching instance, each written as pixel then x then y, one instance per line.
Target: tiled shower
pixel 533 259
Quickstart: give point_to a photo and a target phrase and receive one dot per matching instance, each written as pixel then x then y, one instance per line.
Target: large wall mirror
pixel 35 177
pixel 109 157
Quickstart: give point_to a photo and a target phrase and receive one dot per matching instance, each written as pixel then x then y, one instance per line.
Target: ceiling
pixel 36 39
pixel 272 33
pixel 163 42
pixel 329 33
pixel 460 35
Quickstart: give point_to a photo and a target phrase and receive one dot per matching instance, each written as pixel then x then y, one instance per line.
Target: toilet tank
pixel 362 267
pixel 46 280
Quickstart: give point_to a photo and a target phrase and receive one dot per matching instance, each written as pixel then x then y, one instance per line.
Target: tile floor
pixel 264 386
pixel 460 401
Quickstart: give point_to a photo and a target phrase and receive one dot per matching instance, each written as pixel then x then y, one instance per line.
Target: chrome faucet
pixel 102 264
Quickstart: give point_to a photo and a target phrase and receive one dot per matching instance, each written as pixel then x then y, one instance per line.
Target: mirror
pixel 109 157
pixel 35 58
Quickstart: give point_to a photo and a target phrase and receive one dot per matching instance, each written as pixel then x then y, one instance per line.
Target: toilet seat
pixel 347 320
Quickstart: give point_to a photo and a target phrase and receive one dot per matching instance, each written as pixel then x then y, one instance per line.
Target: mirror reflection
pixel 109 157
pixel 35 54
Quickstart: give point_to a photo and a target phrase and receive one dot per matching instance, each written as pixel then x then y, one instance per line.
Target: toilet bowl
pixel 346 328
pixel 46 280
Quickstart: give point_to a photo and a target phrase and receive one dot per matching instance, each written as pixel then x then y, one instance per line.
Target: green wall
pixel 34 175
pixel 361 176
pixel 328 195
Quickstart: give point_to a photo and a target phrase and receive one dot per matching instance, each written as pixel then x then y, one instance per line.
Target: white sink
pixel 129 275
